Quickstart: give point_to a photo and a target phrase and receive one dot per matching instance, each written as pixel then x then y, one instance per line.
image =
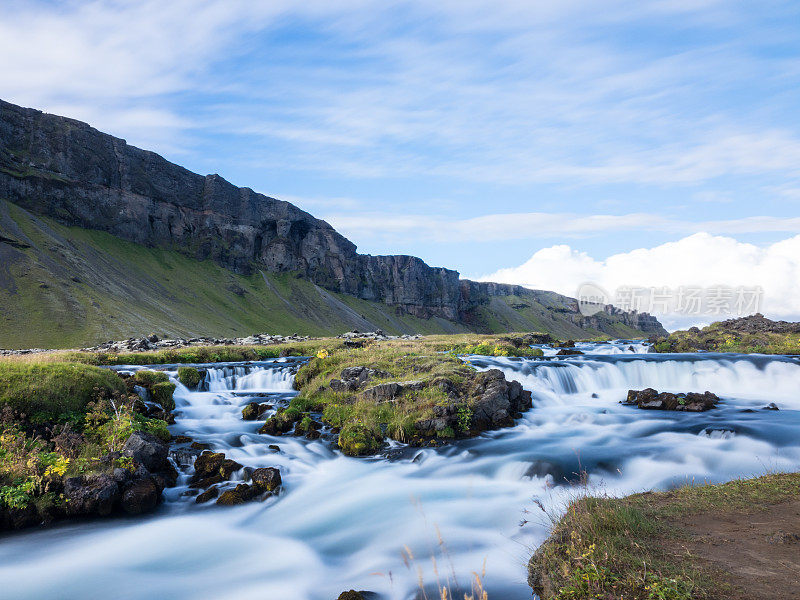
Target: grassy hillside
pixel 69 287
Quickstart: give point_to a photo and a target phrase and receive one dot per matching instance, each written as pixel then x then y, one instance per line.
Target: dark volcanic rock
pixel 568 352
pixel 239 495
pixel 94 495
pixel 141 496
pixel 652 400
pixel 266 479
pixel 148 450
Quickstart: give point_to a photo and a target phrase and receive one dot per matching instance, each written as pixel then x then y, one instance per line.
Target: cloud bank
pixel 701 259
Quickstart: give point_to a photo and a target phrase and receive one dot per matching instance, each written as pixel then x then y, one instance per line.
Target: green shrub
pixel 189 376
pixel 162 394
pixel 54 389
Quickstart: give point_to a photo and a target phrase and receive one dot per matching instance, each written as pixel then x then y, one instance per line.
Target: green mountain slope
pixel 66 286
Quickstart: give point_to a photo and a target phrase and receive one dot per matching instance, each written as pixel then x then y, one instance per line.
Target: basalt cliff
pixel 61 169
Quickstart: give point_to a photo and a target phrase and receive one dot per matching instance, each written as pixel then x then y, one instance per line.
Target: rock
pixel 352 595
pixel 266 479
pixel 250 411
pixel 653 400
pixel 199 446
pixel 281 423
pixel 190 377
pixel 209 494
pixel 93 495
pixel 568 352
pixel 383 392
pixel 254 410
pixel 228 468
pixel 140 496
pixel 771 406
pixel 147 450
pixel 211 468
pixel 274 447
pixel 239 495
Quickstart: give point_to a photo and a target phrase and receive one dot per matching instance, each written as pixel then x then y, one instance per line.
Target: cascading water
pixel 345 523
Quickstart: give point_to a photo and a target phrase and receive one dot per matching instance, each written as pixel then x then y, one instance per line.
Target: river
pixel 432 515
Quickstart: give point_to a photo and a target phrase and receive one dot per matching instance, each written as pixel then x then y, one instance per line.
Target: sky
pixel 625 143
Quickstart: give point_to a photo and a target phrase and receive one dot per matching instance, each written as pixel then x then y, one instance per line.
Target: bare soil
pixel 758 553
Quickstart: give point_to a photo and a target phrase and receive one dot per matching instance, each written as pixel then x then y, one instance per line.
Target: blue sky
pixel 472 134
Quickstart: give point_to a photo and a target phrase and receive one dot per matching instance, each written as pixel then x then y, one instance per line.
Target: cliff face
pixel 67 170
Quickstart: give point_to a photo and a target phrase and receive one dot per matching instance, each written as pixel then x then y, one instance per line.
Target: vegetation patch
pixel 622 547
pixel 417 392
pixel 190 377
pixel 49 391
pixel 748 335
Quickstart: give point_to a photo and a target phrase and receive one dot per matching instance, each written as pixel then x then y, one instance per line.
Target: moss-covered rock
pixel 162 394
pixel 190 377
pixel 356 439
pixel 148 378
pixel 281 423
pixel 239 495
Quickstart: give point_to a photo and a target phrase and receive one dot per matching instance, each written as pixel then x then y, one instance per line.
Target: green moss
pixel 148 378
pixel 189 376
pixel 54 389
pixel 162 394
pixel 356 439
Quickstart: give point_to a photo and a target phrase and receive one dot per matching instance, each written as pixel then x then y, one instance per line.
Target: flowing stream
pixel 436 514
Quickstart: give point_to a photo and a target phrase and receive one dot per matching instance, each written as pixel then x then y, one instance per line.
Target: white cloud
pixel 502 92
pixel 510 226
pixel 701 259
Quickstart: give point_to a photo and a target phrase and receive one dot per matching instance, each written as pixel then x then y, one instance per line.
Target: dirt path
pixel 758 552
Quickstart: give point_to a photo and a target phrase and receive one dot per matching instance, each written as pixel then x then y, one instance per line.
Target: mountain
pixel 101 239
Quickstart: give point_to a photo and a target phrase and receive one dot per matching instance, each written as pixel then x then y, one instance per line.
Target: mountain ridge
pixel 62 169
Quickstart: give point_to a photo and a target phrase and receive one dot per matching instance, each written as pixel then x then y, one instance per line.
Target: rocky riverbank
pixel 78 441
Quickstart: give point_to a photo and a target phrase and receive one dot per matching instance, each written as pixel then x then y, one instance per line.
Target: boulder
pixel 93 495
pixel 266 479
pixel 352 595
pixel 650 399
pixel 209 494
pixel 239 495
pixel 147 450
pixel 140 496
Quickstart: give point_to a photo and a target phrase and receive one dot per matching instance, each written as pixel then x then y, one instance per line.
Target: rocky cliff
pixel 62 168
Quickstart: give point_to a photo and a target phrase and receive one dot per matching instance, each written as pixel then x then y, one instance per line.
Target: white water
pixel 344 523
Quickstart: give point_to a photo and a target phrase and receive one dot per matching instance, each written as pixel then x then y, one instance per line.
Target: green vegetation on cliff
pixel 67 287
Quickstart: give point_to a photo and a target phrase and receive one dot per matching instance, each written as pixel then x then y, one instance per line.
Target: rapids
pixel 343 523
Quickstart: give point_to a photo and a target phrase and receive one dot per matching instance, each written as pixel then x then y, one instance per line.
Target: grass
pixel 618 547
pixel 50 390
